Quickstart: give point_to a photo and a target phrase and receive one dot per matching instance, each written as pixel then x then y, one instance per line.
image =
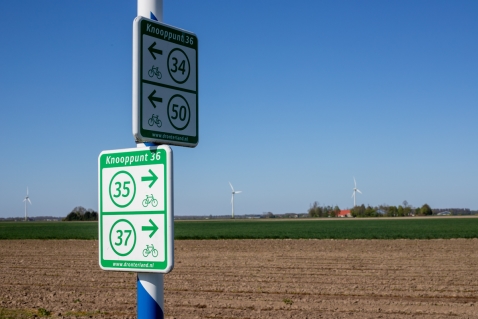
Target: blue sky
pixel 295 99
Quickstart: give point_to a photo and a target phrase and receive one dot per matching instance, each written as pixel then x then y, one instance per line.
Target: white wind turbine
pixel 355 190
pixel 232 199
pixel 27 199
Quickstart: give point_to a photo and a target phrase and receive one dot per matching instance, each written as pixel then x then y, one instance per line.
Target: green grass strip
pixel 48 230
pixel 20 313
pixel 330 229
pixel 427 228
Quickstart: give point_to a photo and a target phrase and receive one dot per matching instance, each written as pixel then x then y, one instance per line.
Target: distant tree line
pixel 316 210
pixel 391 211
pixel 268 215
pixel 80 213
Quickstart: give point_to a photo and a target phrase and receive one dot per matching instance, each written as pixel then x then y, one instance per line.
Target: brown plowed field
pixel 252 279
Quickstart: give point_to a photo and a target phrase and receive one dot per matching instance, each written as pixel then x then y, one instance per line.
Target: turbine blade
pixel 30 201
pixel 237 192
pixel 353 194
pixel 359 191
pixel 231 186
pixel 355 183
pixel 27 191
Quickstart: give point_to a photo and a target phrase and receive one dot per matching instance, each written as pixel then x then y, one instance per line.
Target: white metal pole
pixel 150 286
pixel 151 9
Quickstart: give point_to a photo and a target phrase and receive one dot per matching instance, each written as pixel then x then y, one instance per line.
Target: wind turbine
pixel 355 190
pixel 27 199
pixel 232 199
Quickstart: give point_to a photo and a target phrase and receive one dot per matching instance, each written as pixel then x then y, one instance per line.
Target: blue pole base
pixel 150 296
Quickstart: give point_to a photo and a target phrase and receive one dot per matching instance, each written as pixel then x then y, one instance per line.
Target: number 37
pixel 120 237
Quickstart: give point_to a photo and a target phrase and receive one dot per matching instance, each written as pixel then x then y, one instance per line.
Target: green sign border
pixel 108 160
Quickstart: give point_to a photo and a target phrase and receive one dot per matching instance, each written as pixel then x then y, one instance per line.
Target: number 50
pixel 183 112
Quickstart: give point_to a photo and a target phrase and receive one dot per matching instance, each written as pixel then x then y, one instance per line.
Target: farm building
pixel 344 213
pixel 445 213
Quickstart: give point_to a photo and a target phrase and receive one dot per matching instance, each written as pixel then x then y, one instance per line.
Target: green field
pixel 48 230
pixel 330 229
pixel 427 228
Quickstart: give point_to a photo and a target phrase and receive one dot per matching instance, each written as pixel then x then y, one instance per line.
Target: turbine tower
pixel 232 199
pixel 27 199
pixel 355 190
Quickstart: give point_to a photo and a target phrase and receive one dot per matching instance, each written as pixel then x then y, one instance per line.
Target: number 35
pixel 119 189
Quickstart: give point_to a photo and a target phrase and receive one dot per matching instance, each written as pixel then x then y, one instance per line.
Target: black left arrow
pixel 152 50
pixel 152 98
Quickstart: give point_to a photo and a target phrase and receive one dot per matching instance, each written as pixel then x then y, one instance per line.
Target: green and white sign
pixel 136 231
pixel 165 84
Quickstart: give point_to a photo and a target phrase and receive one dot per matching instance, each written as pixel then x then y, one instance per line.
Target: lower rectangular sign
pixel 136 220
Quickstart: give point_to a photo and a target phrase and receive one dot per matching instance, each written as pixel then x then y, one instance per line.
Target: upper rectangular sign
pixel 165 84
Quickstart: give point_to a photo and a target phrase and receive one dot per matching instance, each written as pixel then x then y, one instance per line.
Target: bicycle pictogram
pixel 150 200
pixel 150 250
pixel 155 71
pixel 155 119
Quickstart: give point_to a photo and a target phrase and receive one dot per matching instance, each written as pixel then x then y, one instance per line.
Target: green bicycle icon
pixel 150 200
pixel 155 71
pixel 155 119
pixel 150 250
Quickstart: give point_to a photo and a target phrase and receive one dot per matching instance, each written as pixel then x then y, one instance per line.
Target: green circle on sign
pixel 123 244
pixel 121 195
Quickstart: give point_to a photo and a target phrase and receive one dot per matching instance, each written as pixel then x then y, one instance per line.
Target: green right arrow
pixel 153 228
pixel 153 178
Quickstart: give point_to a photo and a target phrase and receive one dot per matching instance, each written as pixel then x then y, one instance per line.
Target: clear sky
pixel 296 98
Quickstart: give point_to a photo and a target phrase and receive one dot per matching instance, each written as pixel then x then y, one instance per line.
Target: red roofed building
pixel 344 213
